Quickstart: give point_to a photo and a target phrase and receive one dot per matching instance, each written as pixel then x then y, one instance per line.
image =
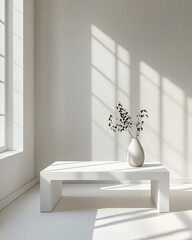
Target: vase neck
pixel 135 140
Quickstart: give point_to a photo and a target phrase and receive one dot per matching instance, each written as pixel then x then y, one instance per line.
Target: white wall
pixel 92 53
pixel 19 169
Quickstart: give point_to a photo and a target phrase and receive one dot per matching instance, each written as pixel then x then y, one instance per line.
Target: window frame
pixel 3 148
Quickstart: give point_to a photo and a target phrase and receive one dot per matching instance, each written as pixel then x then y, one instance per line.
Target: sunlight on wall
pixel 189 136
pixel 150 100
pixel 163 137
pixel 103 50
pixel 173 138
pixel 110 84
pixel 18 74
pixel 123 76
pixel 123 95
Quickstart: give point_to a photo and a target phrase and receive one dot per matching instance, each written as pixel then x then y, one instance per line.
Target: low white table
pixel 51 179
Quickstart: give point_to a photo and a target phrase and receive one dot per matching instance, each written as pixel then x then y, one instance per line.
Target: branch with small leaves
pixel 124 121
pixel 139 125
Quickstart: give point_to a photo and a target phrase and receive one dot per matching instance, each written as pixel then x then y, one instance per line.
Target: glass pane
pixel 2 10
pixel 2 131
pixel 2 39
pixel 2 98
pixel 2 69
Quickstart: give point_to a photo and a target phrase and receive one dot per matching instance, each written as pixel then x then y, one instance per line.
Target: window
pixel 2 77
pixel 11 75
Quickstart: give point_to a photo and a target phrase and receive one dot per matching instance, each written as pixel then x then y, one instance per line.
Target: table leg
pixel 50 193
pixel 160 193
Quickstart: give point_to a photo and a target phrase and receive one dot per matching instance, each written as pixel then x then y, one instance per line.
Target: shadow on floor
pixel 133 199
pixel 180 200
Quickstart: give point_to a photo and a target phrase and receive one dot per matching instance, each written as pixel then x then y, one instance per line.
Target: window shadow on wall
pixel 167 133
pixel 110 74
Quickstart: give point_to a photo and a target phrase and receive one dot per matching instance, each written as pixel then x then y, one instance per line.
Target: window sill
pixel 7 154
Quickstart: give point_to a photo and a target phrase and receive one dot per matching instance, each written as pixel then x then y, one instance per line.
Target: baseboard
pixel 10 198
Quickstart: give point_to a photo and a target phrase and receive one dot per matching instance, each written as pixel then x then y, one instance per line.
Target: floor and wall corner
pixel 79 58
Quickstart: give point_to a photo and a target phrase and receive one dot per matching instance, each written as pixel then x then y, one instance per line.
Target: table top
pixel 102 166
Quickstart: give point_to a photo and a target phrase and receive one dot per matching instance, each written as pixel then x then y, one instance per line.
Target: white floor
pixel 99 212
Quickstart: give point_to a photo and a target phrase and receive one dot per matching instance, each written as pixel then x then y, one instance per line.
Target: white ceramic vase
pixel 135 154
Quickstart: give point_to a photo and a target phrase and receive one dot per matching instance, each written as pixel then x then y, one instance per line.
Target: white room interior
pixel 64 65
